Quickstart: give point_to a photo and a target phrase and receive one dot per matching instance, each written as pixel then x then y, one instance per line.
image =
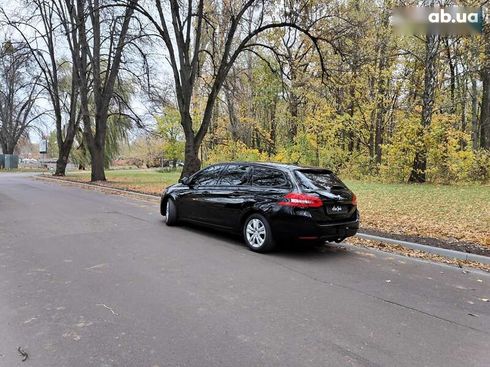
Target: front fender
pixel 163 203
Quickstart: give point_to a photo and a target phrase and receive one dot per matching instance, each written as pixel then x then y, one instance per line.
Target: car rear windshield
pixel 318 179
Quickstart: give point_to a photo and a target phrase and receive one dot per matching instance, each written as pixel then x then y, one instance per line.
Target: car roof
pixel 280 166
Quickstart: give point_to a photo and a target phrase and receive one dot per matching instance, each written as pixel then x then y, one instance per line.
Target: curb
pixel 430 249
pixel 412 245
pixel 102 187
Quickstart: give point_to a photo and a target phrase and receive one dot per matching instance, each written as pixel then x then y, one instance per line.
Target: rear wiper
pixel 328 194
pixel 327 188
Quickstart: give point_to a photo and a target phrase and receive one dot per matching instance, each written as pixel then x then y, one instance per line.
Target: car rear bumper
pixel 301 227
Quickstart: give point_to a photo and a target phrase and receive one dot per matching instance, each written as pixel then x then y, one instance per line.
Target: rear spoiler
pixel 315 170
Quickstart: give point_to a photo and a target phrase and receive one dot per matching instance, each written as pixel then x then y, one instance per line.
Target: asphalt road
pixel 90 279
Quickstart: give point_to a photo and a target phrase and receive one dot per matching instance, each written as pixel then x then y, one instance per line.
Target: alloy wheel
pixel 168 210
pixel 256 233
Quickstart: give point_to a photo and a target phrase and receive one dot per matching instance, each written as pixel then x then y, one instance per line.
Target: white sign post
pixel 43 149
pixel 43 146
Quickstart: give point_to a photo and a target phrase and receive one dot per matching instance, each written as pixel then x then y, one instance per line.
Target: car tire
pixel 171 213
pixel 257 234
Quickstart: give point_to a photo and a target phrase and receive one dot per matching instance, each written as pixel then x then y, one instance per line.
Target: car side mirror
pixel 185 180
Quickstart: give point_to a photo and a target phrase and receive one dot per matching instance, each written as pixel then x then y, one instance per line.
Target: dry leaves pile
pixel 417 254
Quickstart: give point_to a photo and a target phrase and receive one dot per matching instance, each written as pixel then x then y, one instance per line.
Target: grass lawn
pixel 145 180
pixel 460 212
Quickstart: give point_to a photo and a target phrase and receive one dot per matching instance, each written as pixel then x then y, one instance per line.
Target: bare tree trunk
pixel 381 108
pixel 463 97
pixel 485 102
pixel 8 148
pixel 418 173
pixel 452 73
pixel 234 122
pixel 63 154
pixel 352 91
pixel 65 145
pixel 371 139
pixel 485 114
pixel 97 161
pixel 272 134
pixel 293 108
pixel 192 163
pixel 474 114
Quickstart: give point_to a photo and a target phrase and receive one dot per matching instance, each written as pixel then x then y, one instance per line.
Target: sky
pixel 45 125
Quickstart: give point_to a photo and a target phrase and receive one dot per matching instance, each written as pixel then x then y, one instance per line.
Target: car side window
pixel 269 178
pixel 234 175
pixel 207 177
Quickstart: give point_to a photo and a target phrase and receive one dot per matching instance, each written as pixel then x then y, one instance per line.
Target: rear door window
pixel 266 177
pixel 234 175
pixel 318 180
pixel 207 177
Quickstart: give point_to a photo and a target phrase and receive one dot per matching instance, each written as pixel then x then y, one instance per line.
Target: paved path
pixel 90 279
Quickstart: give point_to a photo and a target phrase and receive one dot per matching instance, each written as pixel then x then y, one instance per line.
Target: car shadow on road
pixel 284 250
pixel 305 250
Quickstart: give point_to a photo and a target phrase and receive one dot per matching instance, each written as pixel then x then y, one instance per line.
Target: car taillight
pixel 354 199
pixel 299 200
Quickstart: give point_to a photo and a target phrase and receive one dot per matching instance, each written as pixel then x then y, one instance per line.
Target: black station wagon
pixel 267 202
